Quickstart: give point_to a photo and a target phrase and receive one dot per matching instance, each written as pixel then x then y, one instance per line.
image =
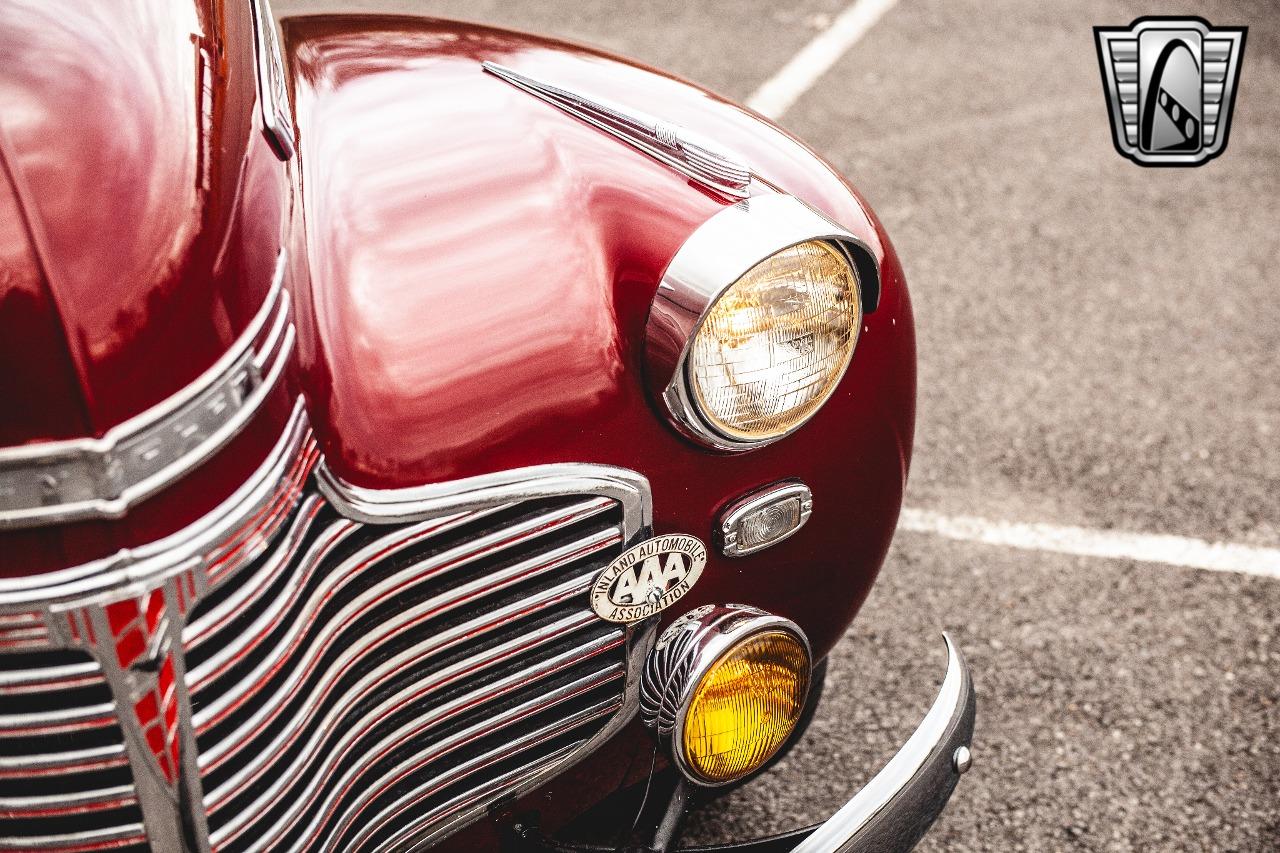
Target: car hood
pixel 140 210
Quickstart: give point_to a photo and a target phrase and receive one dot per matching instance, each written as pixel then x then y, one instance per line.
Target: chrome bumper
pixel 898 806
pixel 889 815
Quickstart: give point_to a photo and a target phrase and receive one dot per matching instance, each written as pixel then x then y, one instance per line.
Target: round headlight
pixel 745 707
pixel 772 348
pixel 755 321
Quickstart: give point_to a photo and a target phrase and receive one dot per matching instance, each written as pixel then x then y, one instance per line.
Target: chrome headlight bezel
pixel 715 257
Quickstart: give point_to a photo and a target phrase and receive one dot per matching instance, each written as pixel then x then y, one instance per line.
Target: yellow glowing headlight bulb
pixel 745 706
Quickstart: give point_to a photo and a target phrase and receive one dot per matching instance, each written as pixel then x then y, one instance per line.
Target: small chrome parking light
pixel 764 517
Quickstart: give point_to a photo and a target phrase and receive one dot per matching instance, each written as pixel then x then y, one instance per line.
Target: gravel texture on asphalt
pixel 1099 345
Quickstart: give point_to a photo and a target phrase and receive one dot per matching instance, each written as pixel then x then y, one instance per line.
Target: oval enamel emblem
pixel 648 578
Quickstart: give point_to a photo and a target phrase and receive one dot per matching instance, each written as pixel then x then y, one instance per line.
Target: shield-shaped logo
pixel 1170 85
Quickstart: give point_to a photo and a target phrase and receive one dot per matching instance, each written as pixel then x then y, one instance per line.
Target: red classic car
pixel 420 434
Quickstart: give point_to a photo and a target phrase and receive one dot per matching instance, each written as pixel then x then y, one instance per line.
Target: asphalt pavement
pixel 1099 345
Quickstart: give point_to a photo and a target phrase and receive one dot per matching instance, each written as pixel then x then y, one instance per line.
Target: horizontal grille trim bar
pixel 21 639
pixel 269 346
pixel 448 817
pixel 21 629
pixel 320 780
pixel 401 506
pixel 319 669
pixel 15 681
pixel 454 774
pixel 103 839
pixel 371 682
pixel 444 747
pixel 257 533
pixel 275 611
pixel 68 803
pixel 328 539
pixel 96 478
pixel 277 482
pixel 467 552
pixel 62 720
pixel 62 762
pixel 209 623
pixel 441 642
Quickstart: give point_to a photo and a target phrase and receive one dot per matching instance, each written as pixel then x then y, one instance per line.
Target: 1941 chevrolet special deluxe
pixel 415 434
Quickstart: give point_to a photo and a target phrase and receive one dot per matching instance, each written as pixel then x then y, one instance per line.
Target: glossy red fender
pixel 482 266
pixel 481 269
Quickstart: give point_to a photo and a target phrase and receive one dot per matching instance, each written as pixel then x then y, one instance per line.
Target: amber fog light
pixel 745 707
pixel 726 686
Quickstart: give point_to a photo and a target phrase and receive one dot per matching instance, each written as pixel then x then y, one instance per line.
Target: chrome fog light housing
pixel 725 687
pixel 756 320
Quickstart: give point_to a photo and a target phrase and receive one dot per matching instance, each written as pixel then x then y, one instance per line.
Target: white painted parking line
pixel 776 95
pixel 1084 542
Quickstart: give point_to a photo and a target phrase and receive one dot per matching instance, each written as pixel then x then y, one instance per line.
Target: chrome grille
pixel 64 778
pixel 386 674
pixel 353 685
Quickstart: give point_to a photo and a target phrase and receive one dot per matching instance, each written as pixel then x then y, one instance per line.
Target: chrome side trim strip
pixel 278 480
pixel 679 148
pixel 273 93
pixel 87 478
pixel 397 506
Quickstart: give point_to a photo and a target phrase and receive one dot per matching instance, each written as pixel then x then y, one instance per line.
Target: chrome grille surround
pixel 317 666
pixel 98 647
